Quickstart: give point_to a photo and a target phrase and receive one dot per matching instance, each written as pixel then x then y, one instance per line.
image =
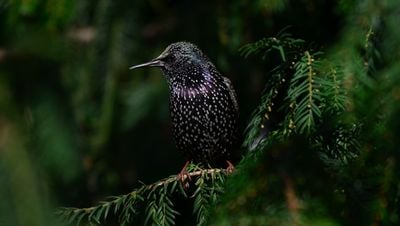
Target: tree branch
pixel 118 203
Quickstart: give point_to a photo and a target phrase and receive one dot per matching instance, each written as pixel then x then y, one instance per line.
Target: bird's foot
pixel 230 167
pixel 184 176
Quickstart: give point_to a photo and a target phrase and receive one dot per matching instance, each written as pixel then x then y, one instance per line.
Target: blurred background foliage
pixel 76 125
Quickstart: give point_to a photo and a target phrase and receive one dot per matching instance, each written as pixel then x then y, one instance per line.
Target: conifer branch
pixel 157 196
pixel 304 93
pixel 289 49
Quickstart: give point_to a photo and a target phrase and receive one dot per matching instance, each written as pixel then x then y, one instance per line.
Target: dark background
pixel 77 126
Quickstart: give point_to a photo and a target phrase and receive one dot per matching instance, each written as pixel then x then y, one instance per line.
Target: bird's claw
pixel 230 167
pixel 184 176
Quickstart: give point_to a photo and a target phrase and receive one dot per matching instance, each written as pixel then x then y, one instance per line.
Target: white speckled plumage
pixel 203 105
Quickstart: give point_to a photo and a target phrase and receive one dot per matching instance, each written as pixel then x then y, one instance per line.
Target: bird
pixel 203 106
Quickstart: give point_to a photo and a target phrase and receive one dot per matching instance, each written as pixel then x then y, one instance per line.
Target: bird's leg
pixel 184 176
pixel 230 167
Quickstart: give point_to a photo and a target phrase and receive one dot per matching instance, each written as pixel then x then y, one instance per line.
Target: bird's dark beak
pixel 153 63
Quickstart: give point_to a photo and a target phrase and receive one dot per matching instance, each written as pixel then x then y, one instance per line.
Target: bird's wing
pixel 232 92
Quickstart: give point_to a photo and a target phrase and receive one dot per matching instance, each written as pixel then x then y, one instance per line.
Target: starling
pixel 203 105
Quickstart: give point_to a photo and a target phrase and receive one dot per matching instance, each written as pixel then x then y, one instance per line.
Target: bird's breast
pixel 206 108
pixel 204 119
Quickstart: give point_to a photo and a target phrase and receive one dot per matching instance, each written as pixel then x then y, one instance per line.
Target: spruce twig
pixel 126 206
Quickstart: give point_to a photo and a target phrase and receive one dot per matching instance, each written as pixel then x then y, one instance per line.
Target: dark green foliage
pixel 209 188
pixel 300 91
pixel 77 126
pixel 337 165
pixel 155 201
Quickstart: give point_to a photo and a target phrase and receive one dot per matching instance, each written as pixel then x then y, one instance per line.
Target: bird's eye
pixel 168 58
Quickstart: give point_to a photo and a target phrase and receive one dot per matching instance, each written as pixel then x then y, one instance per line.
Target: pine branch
pixel 283 43
pixel 334 95
pixel 160 208
pixel 271 104
pixel 157 196
pixel 299 93
pixel 206 194
pixel 304 94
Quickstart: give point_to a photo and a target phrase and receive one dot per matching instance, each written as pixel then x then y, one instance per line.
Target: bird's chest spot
pixel 188 110
pixel 202 110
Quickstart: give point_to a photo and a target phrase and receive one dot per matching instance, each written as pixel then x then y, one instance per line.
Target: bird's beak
pixel 153 63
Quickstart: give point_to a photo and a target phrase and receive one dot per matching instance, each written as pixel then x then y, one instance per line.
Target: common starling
pixel 203 105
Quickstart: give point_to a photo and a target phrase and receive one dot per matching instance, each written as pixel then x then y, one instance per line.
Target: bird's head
pixel 178 59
